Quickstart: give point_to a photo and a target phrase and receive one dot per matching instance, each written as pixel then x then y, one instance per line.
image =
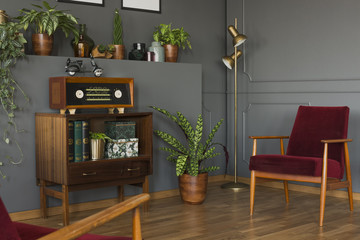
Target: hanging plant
pixel 11 48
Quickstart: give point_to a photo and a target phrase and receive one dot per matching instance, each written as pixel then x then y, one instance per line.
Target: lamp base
pixel 235 186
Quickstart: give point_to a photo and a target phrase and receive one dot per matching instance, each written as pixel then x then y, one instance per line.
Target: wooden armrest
pixel 87 224
pixel 268 137
pixel 336 140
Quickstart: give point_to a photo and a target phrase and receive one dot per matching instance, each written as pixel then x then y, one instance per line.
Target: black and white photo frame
pixel 142 5
pixel 87 2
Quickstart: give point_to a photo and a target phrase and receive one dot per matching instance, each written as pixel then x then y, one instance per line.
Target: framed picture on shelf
pixel 142 5
pixel 87 2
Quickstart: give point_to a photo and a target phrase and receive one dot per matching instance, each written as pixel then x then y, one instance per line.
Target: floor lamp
pixel 231 63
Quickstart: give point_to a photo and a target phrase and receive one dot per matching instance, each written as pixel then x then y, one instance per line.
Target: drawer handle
pixel 133 169
pixel 89 174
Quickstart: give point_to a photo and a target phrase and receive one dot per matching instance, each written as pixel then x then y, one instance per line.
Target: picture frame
pixel 99 3
pixel 153 6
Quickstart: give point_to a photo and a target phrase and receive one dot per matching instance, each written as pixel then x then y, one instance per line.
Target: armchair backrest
pixel 313 124
pixel 7 228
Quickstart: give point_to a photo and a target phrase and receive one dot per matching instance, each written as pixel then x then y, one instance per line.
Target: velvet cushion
pixel 32 232
pixel 7 229
pixel 313 124
pixel 309 166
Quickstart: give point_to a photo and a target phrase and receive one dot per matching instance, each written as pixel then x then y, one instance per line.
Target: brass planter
pixel 97 149
pixel 193 189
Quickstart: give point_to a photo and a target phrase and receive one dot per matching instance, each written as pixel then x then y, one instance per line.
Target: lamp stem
pixel 235 113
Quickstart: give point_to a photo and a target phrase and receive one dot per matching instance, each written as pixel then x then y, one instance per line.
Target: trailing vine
pixel 11 48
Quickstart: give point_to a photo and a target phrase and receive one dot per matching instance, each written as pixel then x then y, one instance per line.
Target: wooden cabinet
pixel 53 167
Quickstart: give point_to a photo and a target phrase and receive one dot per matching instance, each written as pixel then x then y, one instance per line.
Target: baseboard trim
pixel 24 215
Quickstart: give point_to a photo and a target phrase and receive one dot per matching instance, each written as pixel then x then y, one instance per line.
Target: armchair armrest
pixel 268 137
pixel 336 140
pixel 87 224
pixel 255 138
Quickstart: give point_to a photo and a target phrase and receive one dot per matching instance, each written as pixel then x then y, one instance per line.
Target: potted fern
pixel 189 159
pixel 171 39
pixel 119 52
pixel 46 20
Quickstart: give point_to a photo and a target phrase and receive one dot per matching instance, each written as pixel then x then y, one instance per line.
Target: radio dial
pixel 79 94
pixel 118 94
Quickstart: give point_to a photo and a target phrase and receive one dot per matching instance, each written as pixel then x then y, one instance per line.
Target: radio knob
pixel 79 94
pixel 118 94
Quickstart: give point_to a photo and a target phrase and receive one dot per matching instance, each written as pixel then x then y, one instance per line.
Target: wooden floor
pixel 225 215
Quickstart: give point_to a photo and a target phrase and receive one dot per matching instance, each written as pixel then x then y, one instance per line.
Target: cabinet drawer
pixel 106 170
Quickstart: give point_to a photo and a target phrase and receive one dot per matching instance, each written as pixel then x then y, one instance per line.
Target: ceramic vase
pixel 158 50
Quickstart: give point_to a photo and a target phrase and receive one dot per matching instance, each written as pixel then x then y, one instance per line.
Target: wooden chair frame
pixel 326 183
pixel 87 224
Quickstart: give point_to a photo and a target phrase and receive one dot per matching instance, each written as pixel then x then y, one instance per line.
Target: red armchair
pixel 21 231
pixel 317 152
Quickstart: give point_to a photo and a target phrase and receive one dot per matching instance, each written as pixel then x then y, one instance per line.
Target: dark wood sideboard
pixel 53 167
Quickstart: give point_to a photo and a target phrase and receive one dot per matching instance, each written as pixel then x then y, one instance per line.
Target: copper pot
pixel 171 52
pixel 119 52
pixel 42 44
pixel 193 189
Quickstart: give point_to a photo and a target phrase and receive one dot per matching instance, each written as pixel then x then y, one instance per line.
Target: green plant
pixel 177 36
pixel 117 32
pixel 47 20
pixel 11 48
pixel 189 159
pixel 106 48
pixel 98 135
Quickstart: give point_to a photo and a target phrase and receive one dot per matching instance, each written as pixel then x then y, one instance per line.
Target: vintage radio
pixel 90 92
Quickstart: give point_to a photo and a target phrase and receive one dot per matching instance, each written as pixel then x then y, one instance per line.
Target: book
pixel 71 141
pixel 85 141
pixel 78 141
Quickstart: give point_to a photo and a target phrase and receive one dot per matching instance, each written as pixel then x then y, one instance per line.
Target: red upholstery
pixel 305 150
pixel 286 164
pixel 21 231
pixel 7 229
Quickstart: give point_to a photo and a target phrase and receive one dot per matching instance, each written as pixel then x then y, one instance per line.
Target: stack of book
pixel 79 146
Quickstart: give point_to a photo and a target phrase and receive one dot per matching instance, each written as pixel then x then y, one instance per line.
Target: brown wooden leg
pixel 252 192
pixel 136 224
pixel 348 176
pixel 286 189
pixel 43 207
pixel 65 204
pixel 145 187
pixel 323 185
pixel 121 193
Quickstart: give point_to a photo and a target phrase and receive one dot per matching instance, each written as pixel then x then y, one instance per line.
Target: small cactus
pixel 117 32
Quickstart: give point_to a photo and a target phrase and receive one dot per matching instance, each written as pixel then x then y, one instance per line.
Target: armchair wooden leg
pixel 136 224
pixel 323 185
pixel 348 176
pixel 286 189
pixel 252 192
pixel 65 204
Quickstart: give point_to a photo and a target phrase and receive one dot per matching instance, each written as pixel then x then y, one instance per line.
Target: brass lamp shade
pixel 229 61
pixel 238 38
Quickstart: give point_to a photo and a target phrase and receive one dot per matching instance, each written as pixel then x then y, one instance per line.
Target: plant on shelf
pixel 46 20
pixel 98 135
pixel 97 141
pixel 11 49
pixel 189 159
pixel 171 39
pixel 103 51
pixel 119 48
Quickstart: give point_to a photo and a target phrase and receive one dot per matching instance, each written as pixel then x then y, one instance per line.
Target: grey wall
pixel 196 84
pixel 298 52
